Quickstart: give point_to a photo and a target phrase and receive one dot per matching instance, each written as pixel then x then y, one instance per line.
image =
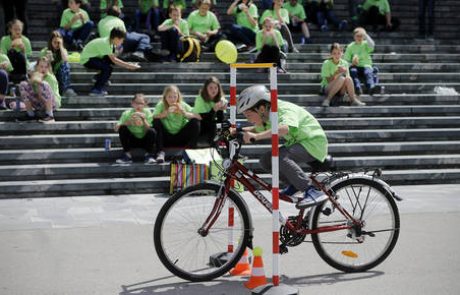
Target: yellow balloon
pixel 226 52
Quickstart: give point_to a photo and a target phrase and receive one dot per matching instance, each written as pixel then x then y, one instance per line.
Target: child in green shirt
pixel 5 68
pixel 171 30
pixel 304 141
pixel 246 27
pixel 204 26
pixel 174 122
pixel 18 49
pixel 268 43
pixel 135 130
pixel 99 54
pixel 75 25
pixel 281 17
pixel 378 12
pixel 336 78
pixel 358 53
pixel 57 54
pixel 43 66
pixel 210 105
pixel 298 19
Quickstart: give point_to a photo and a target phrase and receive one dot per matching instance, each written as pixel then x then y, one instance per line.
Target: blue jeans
pixel 3 82
pixel 63 76
pixel 104 66
pixel 152 17
pixel 242 34
pixel 136 42
pixel 425 6
pixel 369 75
pixel 81 34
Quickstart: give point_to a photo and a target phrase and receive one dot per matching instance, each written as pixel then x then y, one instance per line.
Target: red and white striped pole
pixel 275 173
pixel 233 124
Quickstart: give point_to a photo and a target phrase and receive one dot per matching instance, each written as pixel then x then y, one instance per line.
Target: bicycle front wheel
pixel 361 247
pixel 181 248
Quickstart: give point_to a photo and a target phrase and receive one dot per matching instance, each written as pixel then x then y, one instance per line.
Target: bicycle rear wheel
pixel 360 248
pixel 180 247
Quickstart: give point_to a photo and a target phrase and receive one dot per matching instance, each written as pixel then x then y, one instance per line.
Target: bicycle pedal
pixel 283 249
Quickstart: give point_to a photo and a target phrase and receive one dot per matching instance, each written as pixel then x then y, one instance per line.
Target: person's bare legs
pixel 350 89
pixel 332 88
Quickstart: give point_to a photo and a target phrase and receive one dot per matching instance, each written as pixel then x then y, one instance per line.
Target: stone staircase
pixel 413 133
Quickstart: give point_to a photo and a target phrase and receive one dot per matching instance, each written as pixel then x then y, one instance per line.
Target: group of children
pixel 172 123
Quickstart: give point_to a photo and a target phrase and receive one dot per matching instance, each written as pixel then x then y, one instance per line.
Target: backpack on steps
pixel 190 50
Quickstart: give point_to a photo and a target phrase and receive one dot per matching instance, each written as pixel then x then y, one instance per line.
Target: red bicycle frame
pixel 239 172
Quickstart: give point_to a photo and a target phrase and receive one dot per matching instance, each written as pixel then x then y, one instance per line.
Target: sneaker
pixel 302 40
pixel 358 103
pixel 148 159
pixel 326 103
pixel 69 93
pixel 324 28
pixel 96 92
pixel 94 79
pixel 160 157
pixel 312 197
pixel 125 159
pixel 47 119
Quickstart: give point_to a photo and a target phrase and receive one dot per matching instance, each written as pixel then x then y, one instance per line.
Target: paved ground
pixel 103 245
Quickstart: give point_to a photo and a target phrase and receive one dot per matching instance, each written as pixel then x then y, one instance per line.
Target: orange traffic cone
pixel 242 268
pixel 258 274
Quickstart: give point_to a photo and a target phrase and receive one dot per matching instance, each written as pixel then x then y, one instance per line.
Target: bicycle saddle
pixel 327 165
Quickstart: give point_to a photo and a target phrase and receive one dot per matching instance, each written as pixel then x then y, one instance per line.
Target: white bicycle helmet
pixel 250 96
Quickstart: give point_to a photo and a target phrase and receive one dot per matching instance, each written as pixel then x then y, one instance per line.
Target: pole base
pixel 219 259
pixel 270 289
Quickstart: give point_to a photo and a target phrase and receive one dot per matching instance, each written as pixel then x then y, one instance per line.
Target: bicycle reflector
pixel 349 253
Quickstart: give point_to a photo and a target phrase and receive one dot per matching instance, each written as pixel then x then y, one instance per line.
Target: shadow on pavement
pixel 329 279
pixel 234 285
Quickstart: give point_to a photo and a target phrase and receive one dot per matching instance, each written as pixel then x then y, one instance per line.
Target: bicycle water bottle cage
pixel 327 165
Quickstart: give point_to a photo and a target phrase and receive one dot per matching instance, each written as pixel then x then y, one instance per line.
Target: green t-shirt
pixel 303 129
pixel 183 25
pixel 3 58
pixel 329 68
pixel 268 41
pixel 103 6
pixel 177 3
pixel 145 5
pixel 383 5
pixel 5 45
pixel 243 20
pixel 202 24
pixel 173 122
pixel 202 106
pixel 362 51
pixel 137 131
pixel 271 13
pixel 67 16
pixel 108 23
pixel 54 85
pixel 296 10
pixel 98 47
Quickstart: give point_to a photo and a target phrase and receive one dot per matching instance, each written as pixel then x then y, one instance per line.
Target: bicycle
pixel 353 231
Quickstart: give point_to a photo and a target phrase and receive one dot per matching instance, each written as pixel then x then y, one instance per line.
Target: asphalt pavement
pixel 103 245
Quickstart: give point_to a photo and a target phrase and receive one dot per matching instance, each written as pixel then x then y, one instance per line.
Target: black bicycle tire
pixel 219 271
pixel 388 250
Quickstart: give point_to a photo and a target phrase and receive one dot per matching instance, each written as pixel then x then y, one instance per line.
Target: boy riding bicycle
pixel 305 141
